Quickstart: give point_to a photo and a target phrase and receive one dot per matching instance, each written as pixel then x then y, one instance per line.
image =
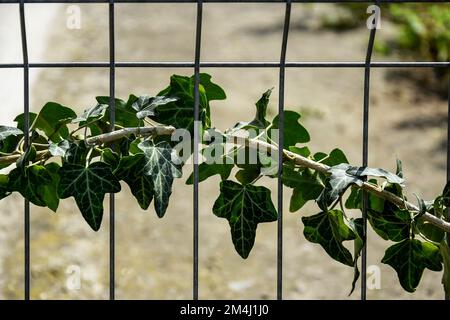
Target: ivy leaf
pixel 212 90
pixel 110 157
pixel 162 165
pixel 88 185
pixel 306 184
pixel 146 105
pixel 59 149
pixel 386 219
pixel 180 113
pixel 328 229
pixel 410 258
pixel 303 151
pixel 76 154
pixel 294 132
pixel 249 162
pixel 20 119
pixel 244 206
pixel 336 185
pixel 430 231
pixel 248 173
pixel 91 114
pixel 49 190
pixel 24 159
pixel 446 195
pixel 354 201
pixel 131 169
pixel 392 224
pixel 53 119
pixel 443 249
pixel 4 189
pixel 357 227
pixel 6 132
pixel 215 162
pixel 375 172
pixel 335 157
pixel 36 183
pixel 259 121
pixel 125 115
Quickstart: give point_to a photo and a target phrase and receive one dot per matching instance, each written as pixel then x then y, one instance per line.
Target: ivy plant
pixel 86 157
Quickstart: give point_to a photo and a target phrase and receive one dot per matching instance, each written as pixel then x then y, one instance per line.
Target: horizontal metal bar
pixel 312 64
pixel 221 1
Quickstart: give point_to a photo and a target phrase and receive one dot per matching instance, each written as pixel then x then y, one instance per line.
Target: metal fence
pixel 197 64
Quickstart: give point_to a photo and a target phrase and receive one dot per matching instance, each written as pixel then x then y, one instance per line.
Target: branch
pixel 376 190
pixel 105 138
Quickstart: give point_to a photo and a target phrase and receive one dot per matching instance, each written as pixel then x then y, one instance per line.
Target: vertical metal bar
pixel 112 120
pixel 365 156
pixel 198 38
pixel 447 296
pixel 287 18
pixel 26 110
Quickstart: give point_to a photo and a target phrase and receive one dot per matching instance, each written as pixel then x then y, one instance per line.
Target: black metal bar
pixel 222 1
pixel 198 41
pixel 287 19
pixel 268 64
pixel 26 129
pixel 112 119
pixel 365 155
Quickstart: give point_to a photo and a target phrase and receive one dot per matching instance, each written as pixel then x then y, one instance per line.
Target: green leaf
pixel 329 230
pixel 215 162
pixel 335 158
pixel 244 206
pixel 336 185
pixel 131 169
pixel 430 231
pixel 4 188
pixel 59 149
pixel 20 119
pixel 24 159
pixel 53 119
pixel 357 226
pixel 88 185
pixel 91 114
pixel 180 113
pixel 36 183
pixel 249 164
pixel 259 121
pixel 303 151
pixel 6 132
pixel 410 258
pixel 125 115
pixel 212 90
pixel 77 153
pixel 354 201
pixel 49 190
pixel 392 224
pixel 248 173
pixel 110 157
pixel 443 249
pixel 446 195
pixel 146 105
pixel 306 184
pixel 162 165
pixel 294 132
pixel 365 171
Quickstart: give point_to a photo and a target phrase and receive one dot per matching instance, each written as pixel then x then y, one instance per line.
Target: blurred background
pixel 408 119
